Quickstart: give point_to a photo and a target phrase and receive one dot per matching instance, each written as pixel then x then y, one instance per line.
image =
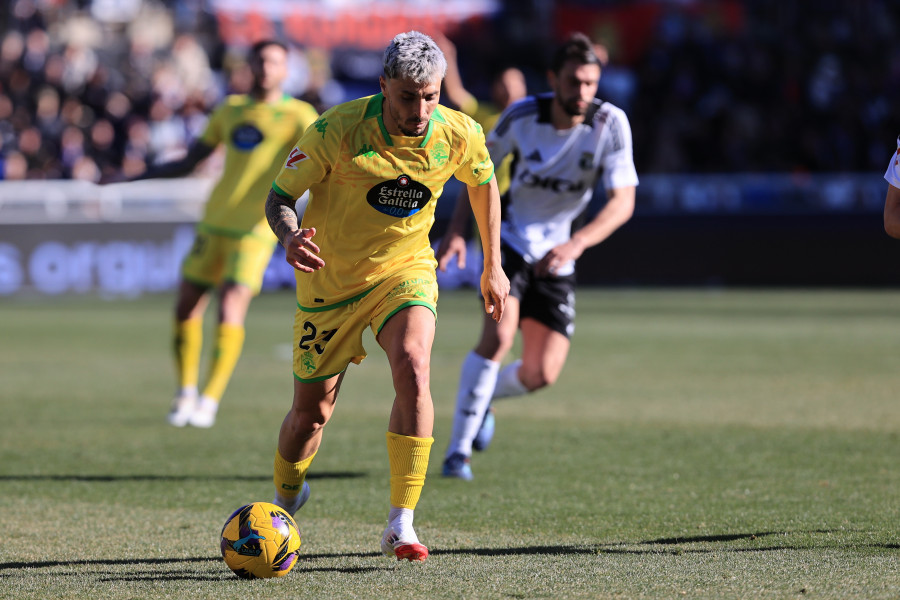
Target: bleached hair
pixel 414 55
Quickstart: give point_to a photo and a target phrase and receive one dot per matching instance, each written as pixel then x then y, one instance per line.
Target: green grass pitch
pixel 700 444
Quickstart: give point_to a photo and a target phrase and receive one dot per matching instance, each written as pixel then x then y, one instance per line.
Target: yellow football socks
pixel 229 343
pixel 188 341
pixel 289 477
pixel 408 457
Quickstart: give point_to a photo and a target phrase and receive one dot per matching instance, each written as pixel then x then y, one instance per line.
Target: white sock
pixel 477 379
pixel 401 520
pixel 188 391
pixel 508 383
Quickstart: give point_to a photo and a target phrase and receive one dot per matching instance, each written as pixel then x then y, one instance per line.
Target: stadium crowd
pixel 798 88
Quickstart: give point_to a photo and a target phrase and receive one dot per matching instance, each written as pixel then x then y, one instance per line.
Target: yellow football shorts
pixel 326 341
pixel 214 259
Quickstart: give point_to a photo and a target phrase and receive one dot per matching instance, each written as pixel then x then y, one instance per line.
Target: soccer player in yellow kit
pixel 233 242
pixel 376 167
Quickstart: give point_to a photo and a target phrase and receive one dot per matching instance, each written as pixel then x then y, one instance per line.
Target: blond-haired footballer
pixel 376 167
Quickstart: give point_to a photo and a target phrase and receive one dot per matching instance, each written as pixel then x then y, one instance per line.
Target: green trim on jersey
pixel 489 178
pixel 373 109
pixel 315 379
pixel 280 191
pixel 337 304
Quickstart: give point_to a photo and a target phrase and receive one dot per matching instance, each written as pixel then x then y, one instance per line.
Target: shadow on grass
pixel 671 545
pixel 225 575
pixel 676 545
pixel 229 477
pixel 180 575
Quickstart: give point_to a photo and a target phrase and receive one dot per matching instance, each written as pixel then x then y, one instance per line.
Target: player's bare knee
pixel 306 423
pixel 411 370
pixel 535 379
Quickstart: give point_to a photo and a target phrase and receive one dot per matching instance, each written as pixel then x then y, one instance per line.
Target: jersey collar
pixel 373 110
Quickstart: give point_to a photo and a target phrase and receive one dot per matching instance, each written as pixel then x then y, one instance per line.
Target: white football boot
pixel 182 408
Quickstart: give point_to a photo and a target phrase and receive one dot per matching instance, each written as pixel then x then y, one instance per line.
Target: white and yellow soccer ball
pixel 260 540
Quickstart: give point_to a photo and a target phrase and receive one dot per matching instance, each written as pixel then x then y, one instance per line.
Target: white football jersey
pixel 554 172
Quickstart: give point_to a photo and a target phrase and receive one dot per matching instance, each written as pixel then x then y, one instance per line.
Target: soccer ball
pixel 260 540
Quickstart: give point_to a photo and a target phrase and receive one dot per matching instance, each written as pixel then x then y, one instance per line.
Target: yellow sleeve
pixel 214 134
pixel 310 160
pixel 476 168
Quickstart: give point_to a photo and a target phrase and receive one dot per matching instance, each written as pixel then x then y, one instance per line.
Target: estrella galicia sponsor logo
pixel 246 137
pixel 401 197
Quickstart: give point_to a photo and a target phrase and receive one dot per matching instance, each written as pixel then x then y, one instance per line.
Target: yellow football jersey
pixel 487 115
pixel 257 137
pixel 373 194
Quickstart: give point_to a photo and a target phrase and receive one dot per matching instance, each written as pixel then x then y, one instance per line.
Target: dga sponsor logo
pixel 401 197
pixel 296 156
pixel 246 137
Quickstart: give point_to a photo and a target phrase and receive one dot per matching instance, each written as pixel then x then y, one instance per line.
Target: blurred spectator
pixel 13 167
pixel 794 87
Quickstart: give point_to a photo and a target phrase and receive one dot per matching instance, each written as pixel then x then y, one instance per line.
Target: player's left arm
pixel 299 249
pixel 617 211
pixel 892 212
pixel 485 202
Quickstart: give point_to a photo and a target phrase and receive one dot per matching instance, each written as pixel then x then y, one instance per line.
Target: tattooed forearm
pixel 280 214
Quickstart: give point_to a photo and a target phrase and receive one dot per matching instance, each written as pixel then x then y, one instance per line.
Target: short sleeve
pixel 214 133
pixel 617 155
pixel 309 161
pixel 477 168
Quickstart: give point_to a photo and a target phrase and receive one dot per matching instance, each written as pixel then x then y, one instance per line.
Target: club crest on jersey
pixel 246 137
pixel 400 197
pixel 296 156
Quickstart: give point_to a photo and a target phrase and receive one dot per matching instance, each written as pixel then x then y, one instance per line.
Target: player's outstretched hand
pixel 452 244
pixel 301 252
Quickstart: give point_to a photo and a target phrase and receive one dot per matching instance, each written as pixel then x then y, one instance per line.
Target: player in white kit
pixel 563 143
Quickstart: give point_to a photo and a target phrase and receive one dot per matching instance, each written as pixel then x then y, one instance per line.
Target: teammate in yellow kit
pixel 507 86
pixel 233 242
pixel 376 167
